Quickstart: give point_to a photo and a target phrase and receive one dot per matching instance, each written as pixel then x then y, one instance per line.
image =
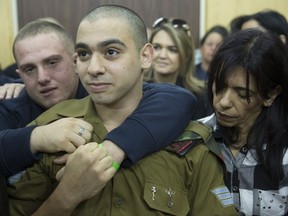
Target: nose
pixel 214 46
pixel 226 100
pixel 163 53
pixel 96 67
pixel 43 75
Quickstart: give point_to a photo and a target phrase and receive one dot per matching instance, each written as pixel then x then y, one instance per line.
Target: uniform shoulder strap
pixel 201 129
pixel 206 133
pixel 194 134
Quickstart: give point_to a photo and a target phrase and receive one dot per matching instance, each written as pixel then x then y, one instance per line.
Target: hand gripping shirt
pixel 163 183
pixel 140 134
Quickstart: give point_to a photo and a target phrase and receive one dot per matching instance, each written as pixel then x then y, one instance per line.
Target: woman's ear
pixel 274 93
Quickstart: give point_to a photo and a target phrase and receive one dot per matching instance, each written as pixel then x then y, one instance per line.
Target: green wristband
pixel 115 165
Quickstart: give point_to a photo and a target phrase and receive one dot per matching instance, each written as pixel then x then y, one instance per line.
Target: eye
pixel 52 62
pixel 112 53
pixel 173 49
pixel 29 69
pixel 83 55
pixel 242 94
pixel 156 47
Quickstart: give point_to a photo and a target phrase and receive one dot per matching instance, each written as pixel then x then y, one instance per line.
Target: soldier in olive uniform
pixel 184 179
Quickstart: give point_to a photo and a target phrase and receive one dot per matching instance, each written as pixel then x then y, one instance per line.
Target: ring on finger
pixel 81 131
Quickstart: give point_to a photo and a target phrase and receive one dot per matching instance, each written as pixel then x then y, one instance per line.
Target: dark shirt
pixel 9 75
pixel 5 79
pixel 161 116
pixel 203 107
pixel 200 73
pixel 3 198
pixel 10 71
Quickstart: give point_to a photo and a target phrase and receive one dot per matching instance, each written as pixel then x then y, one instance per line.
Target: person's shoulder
pixel 66 108
pixel 194 134
pixel 69 104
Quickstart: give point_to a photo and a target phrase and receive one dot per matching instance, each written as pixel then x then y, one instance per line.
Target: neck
pixel 165 78
pixel 113 115
pixel 242 140
pixel 205 65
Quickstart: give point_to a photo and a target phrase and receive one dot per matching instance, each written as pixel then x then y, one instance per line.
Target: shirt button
pixel 235 188
pixel 244 149
pixel 119 201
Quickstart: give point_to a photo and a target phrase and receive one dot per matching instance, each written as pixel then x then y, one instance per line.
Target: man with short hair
pixel 44 52
pixel 111 54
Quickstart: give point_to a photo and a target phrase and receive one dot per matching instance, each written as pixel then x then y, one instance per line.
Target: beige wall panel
pixel 217 12
pixel 223 11
pixel 6 33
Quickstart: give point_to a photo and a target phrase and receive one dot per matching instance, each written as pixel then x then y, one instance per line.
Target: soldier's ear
pixel 146 56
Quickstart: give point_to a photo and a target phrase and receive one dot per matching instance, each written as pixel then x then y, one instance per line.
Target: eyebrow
pixel 101 44
pixel 22 67
pixel 251 91
pixel 47 59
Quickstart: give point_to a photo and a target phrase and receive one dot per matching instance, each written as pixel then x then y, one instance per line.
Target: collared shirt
pixel 253 190
pixel 160 184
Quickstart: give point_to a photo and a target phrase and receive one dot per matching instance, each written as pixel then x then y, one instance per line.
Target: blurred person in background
pixel 208 46
pixel 266 20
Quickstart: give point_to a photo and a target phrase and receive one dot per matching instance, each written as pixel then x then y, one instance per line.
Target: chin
pixel 225 123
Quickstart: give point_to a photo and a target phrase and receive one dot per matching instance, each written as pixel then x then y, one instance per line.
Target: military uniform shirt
pixel 160 184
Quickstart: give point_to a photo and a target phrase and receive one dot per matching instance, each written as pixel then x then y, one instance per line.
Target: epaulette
pixel 184 143
pixel 194 134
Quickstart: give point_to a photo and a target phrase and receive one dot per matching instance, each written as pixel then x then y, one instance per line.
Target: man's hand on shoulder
pixel 10 90
pixel 65 134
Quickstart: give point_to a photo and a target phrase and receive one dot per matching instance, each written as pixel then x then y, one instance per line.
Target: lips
pixel 99 87
pixel 161 63
pixel 224 117
pixel 47 91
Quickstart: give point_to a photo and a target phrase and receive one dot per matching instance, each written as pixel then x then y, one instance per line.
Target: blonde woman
pixel 173 60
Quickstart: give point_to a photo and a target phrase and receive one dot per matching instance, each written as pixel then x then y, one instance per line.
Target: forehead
pixel 40 46
pixel 103 29
pixel 161 37
pixel 214 36
pixel 38 39
pixel 252 24
pixel 42 41
pixel 238 78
